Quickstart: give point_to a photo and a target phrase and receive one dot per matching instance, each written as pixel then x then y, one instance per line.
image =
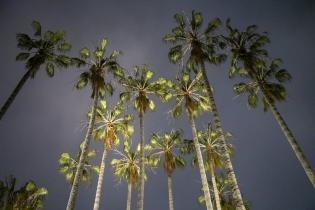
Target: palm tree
pixel 108 125
pixel 138 88
pixel 128 166
pixel 166 146
pixel 190 93
pixel 263 79
pixel 68 165
pixel 210 146
pixel 224 190
pixel 44 49
pixel 201 48
pixel 28 197
pixel 99 67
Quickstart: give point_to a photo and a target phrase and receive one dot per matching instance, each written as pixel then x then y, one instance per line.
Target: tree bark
pixel 100 181
pixel 170 192
pixel 77 177
pixel 291 139
pixel 16 90
pixel 236 193
pixel 215 188
pixel 129 196
pixel 204 180
pixel 140 199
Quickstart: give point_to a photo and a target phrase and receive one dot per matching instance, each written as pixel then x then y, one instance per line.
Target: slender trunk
pixel 77 177
pixel 291 139
pixel 215 188
pixel 236 193
pixel 16 90
pixel 140 199
pixel 100 181
pixel 129 196
pixel 170 192
pixel 204 180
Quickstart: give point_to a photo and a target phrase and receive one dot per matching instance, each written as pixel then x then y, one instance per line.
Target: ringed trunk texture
pixel 292 141
pixel 236 193
pixel 77 177
pixel 129 196
pixel 140 199
pixel 170 192
pixel 215 188
pixel 16 90
pixel 100 181
pixel 204 180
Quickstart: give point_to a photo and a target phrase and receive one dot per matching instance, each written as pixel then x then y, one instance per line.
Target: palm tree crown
pixel 201 46
pixel 166 146
pixel 68 165
pixel 98 69
pixel 110 123
pixel 190 93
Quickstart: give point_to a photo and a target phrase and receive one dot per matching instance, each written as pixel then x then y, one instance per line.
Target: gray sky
pixel 45 119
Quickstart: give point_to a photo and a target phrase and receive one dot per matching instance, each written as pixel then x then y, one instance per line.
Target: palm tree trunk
pixel 291 139
pixel 236 193
pixel 215 188
pixel 16 90
pixel 204 180
pixel 77 177
pixel 129 196
pixel 170 192
pixel 100 181
pixel 140 199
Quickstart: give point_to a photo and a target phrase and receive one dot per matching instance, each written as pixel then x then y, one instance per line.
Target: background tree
pixel 168 146
pixel 128 166
pixel 108 125
pixel 189 93
pixel 68 165
pixel 138 87
pixel 45 48
pixel 99 68
pixel 224 188
pixel 263 80
pixel 201 47
pixel 211 148
pixel 28 197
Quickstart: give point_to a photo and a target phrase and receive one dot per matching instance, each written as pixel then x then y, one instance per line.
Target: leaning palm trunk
pixel 129 196
pixel 77 177
pixel 236 193
pixel 16 90
pixel 100 181
pixel 292 141
pixel 215 188
pixel 140 199
pixel 170 192
pixel 202 170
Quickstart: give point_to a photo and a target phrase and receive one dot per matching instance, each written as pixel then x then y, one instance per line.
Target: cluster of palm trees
pixel 192 48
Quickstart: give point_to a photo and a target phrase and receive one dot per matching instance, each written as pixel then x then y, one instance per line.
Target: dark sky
pixel 46 117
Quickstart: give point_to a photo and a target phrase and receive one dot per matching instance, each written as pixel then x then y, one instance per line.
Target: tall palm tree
pixel 45 48
pixel 27 197
pixel 99 67
pixel 263 79
pixel 108 125
pixel 128 166
pixel 211 148
pixel 138 88
pixel 190 94
pixel 68 165
pixel 168 146
pixel 201 47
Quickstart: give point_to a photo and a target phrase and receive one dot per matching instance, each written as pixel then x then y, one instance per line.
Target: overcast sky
pixel 45 119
